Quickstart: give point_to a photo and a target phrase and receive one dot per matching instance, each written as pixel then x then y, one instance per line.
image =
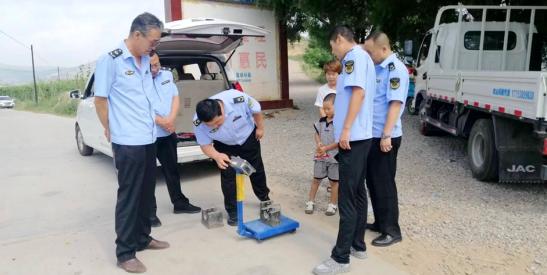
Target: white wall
pixel 255 64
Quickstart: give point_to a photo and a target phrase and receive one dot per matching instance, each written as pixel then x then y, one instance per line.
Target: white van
pixel 197 51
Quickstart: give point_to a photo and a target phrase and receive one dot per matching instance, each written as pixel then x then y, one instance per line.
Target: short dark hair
pixel 144 22
pixel 208 109
pixel 330 97
pixel 375 35
pixel 379 38
pixel 343 31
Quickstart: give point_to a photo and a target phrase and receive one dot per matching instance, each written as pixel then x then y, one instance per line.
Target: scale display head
pixel 241 166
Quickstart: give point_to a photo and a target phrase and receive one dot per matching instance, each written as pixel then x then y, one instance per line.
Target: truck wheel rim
pixel 478 149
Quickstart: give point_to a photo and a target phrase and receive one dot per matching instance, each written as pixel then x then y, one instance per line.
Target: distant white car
pixel 195 50
pixel 7 102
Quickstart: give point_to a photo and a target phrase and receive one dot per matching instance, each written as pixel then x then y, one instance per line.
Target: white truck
pixel 482 75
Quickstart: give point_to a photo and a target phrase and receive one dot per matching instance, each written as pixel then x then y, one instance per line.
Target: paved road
pixel 57 208
pixel 57 215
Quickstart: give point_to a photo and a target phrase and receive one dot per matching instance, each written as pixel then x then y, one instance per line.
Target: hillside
pixel 15 75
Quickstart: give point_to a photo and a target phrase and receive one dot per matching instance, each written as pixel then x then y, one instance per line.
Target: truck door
pixel 422 68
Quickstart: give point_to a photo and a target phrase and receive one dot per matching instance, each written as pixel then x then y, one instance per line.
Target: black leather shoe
pixel 155 221
pixel 373 227
pixel 386 240
pixel 185 207
pixel 232 220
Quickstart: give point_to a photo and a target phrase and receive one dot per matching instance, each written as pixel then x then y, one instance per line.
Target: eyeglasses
pixel 152 43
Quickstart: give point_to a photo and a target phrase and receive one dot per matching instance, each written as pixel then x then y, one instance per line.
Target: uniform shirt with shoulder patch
pixel 238 120
pixel 325 130
pixel 130 93
pixel 392 84
pixel 165 90
pixel 357 71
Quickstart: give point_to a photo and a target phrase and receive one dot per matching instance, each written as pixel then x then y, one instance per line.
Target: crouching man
pixel 228 124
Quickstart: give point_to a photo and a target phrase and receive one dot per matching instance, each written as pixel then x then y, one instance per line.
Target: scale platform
pixel 258 230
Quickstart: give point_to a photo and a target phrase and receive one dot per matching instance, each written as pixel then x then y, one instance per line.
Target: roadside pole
pixel 34 75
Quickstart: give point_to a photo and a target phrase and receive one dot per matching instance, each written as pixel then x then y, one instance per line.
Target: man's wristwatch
pixel 384 136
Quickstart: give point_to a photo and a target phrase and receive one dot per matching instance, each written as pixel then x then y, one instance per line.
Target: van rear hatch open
pixel 205 36
pixel 189 47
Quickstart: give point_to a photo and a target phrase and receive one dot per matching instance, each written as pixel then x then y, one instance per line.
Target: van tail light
pixel 236 85
pixel 545 146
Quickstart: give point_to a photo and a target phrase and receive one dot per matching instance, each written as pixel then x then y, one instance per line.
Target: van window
pixel 213 68
pixel 191 72
pixel 493 40
pixel 175 73
pixel 213 72
pixel 90 89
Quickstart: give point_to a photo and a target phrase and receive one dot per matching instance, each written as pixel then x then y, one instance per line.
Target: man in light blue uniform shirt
pixel 166 109
pixel 355 91
pixel 228 124
pixel 391 92
pixel 124 102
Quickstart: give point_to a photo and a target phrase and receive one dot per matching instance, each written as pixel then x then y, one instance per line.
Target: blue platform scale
pixel 255 229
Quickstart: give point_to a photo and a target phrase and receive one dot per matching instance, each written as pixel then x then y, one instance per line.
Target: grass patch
pixel 311 59
pixel 313 72
pixel 298 58
pixel 61 105
pixel 315 56
pixel 53 96
pixel 310 70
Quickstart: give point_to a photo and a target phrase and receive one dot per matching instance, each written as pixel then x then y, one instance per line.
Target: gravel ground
pixel 452 223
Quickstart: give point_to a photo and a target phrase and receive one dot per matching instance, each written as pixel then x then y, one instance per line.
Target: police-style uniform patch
pixel 250 104
pixel 165 82
pixel 239 99
pixel 394 83
pixel 197 122
pixel 391 66
pixel 115 53
pixel 129 72
pixel 213 131
pixel 349 66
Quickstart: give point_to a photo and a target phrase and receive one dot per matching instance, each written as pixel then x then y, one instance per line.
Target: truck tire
pixel 426 129
pixel 482 152
pixel 411 110
pixel 82 147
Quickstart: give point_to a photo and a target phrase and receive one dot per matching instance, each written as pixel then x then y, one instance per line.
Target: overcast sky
pixel 67 33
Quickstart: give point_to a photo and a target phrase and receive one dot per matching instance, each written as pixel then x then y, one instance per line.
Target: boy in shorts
pixel 324 163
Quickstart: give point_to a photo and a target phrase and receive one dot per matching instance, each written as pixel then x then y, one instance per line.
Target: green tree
pixel 318 17
pixel 401 20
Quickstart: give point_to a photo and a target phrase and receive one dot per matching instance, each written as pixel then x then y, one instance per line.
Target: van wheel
pixel 481 149
pixel 411 110
pixel 82 147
